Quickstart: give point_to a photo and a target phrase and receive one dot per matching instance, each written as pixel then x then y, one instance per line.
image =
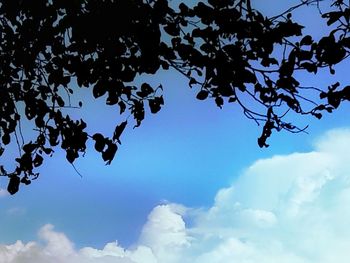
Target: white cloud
pixel 58 248
pixel 288 209
pixel 16 211
pixel 3 192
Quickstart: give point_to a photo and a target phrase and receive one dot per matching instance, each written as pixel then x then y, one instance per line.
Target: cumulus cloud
pixel 289 209
pixel 58 248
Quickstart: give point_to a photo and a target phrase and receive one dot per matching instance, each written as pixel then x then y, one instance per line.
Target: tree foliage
pixel 228 51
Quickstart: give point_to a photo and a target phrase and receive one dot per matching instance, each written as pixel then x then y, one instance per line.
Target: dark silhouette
pixel 226 49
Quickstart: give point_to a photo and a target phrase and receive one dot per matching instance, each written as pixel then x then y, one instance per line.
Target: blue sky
pixel 190 184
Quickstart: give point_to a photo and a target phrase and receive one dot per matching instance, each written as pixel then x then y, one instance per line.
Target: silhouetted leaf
pixel 29 147
pixel 219 102
pixel 100 141
pixel 6 138
pixel 306 40
pixel 2 170
pixel 122 106
pixel 25 181
pixel 332 16
pixel 155 104
pixel 99 90
pixel 108 154
pixel 13 185
pixel 38 160
pixel 118 131
pixel 172 29
pixel 71 155
pixel 202 95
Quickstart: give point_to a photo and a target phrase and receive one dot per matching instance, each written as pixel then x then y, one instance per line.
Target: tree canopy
pixel 229 52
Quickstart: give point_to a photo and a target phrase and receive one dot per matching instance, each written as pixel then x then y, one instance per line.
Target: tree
pixel 226 49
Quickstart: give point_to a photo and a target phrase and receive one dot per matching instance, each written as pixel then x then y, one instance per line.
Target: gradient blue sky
pixel 184 154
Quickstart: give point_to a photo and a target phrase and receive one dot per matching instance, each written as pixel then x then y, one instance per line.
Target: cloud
pixel 3 192
pixel 16 211
pixel 290 209
pixel 58 248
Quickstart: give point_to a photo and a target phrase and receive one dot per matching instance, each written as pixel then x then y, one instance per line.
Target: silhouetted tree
pixel 228 50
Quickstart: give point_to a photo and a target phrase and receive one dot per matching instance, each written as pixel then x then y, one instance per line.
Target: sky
pixel 190 185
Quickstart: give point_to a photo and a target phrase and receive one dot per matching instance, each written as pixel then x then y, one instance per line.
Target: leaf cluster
pixel 227 50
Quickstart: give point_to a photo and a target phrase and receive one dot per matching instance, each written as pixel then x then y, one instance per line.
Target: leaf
pixel 13 185
pixel 6 138
pixel 332 17
pixel 138 111
pixel 227 91
pixel 146 90
pixel 183 9
pixel 100 142
pixel 289 29
pixel 99 90
pixel 345 42
pixel 2 170
pixel 192 82
pixel 53 136
pixel 38 160
pixel 172 29
pixel 71 156
pixel 267 131
pixel 232 99
pixel 164 64
pixel 25 181
pixel 219 102
pixel 155 104
pixel 119 130
pixel 305 55
pixel 317 115
pixel 60 101
pixel 306 41
pixel 202 95
pixel 122 106
pixel 108 155
pixel 248 77
pixel 334 100
pixel 48 150
pixel 310 67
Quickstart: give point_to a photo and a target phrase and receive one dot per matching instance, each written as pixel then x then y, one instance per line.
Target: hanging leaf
pixel 109 153
pixel 155 104
pixel 38 160
pixel 100 142
pixel 13 185
pixel 202 95
pixel 6 138
pixel 118 131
